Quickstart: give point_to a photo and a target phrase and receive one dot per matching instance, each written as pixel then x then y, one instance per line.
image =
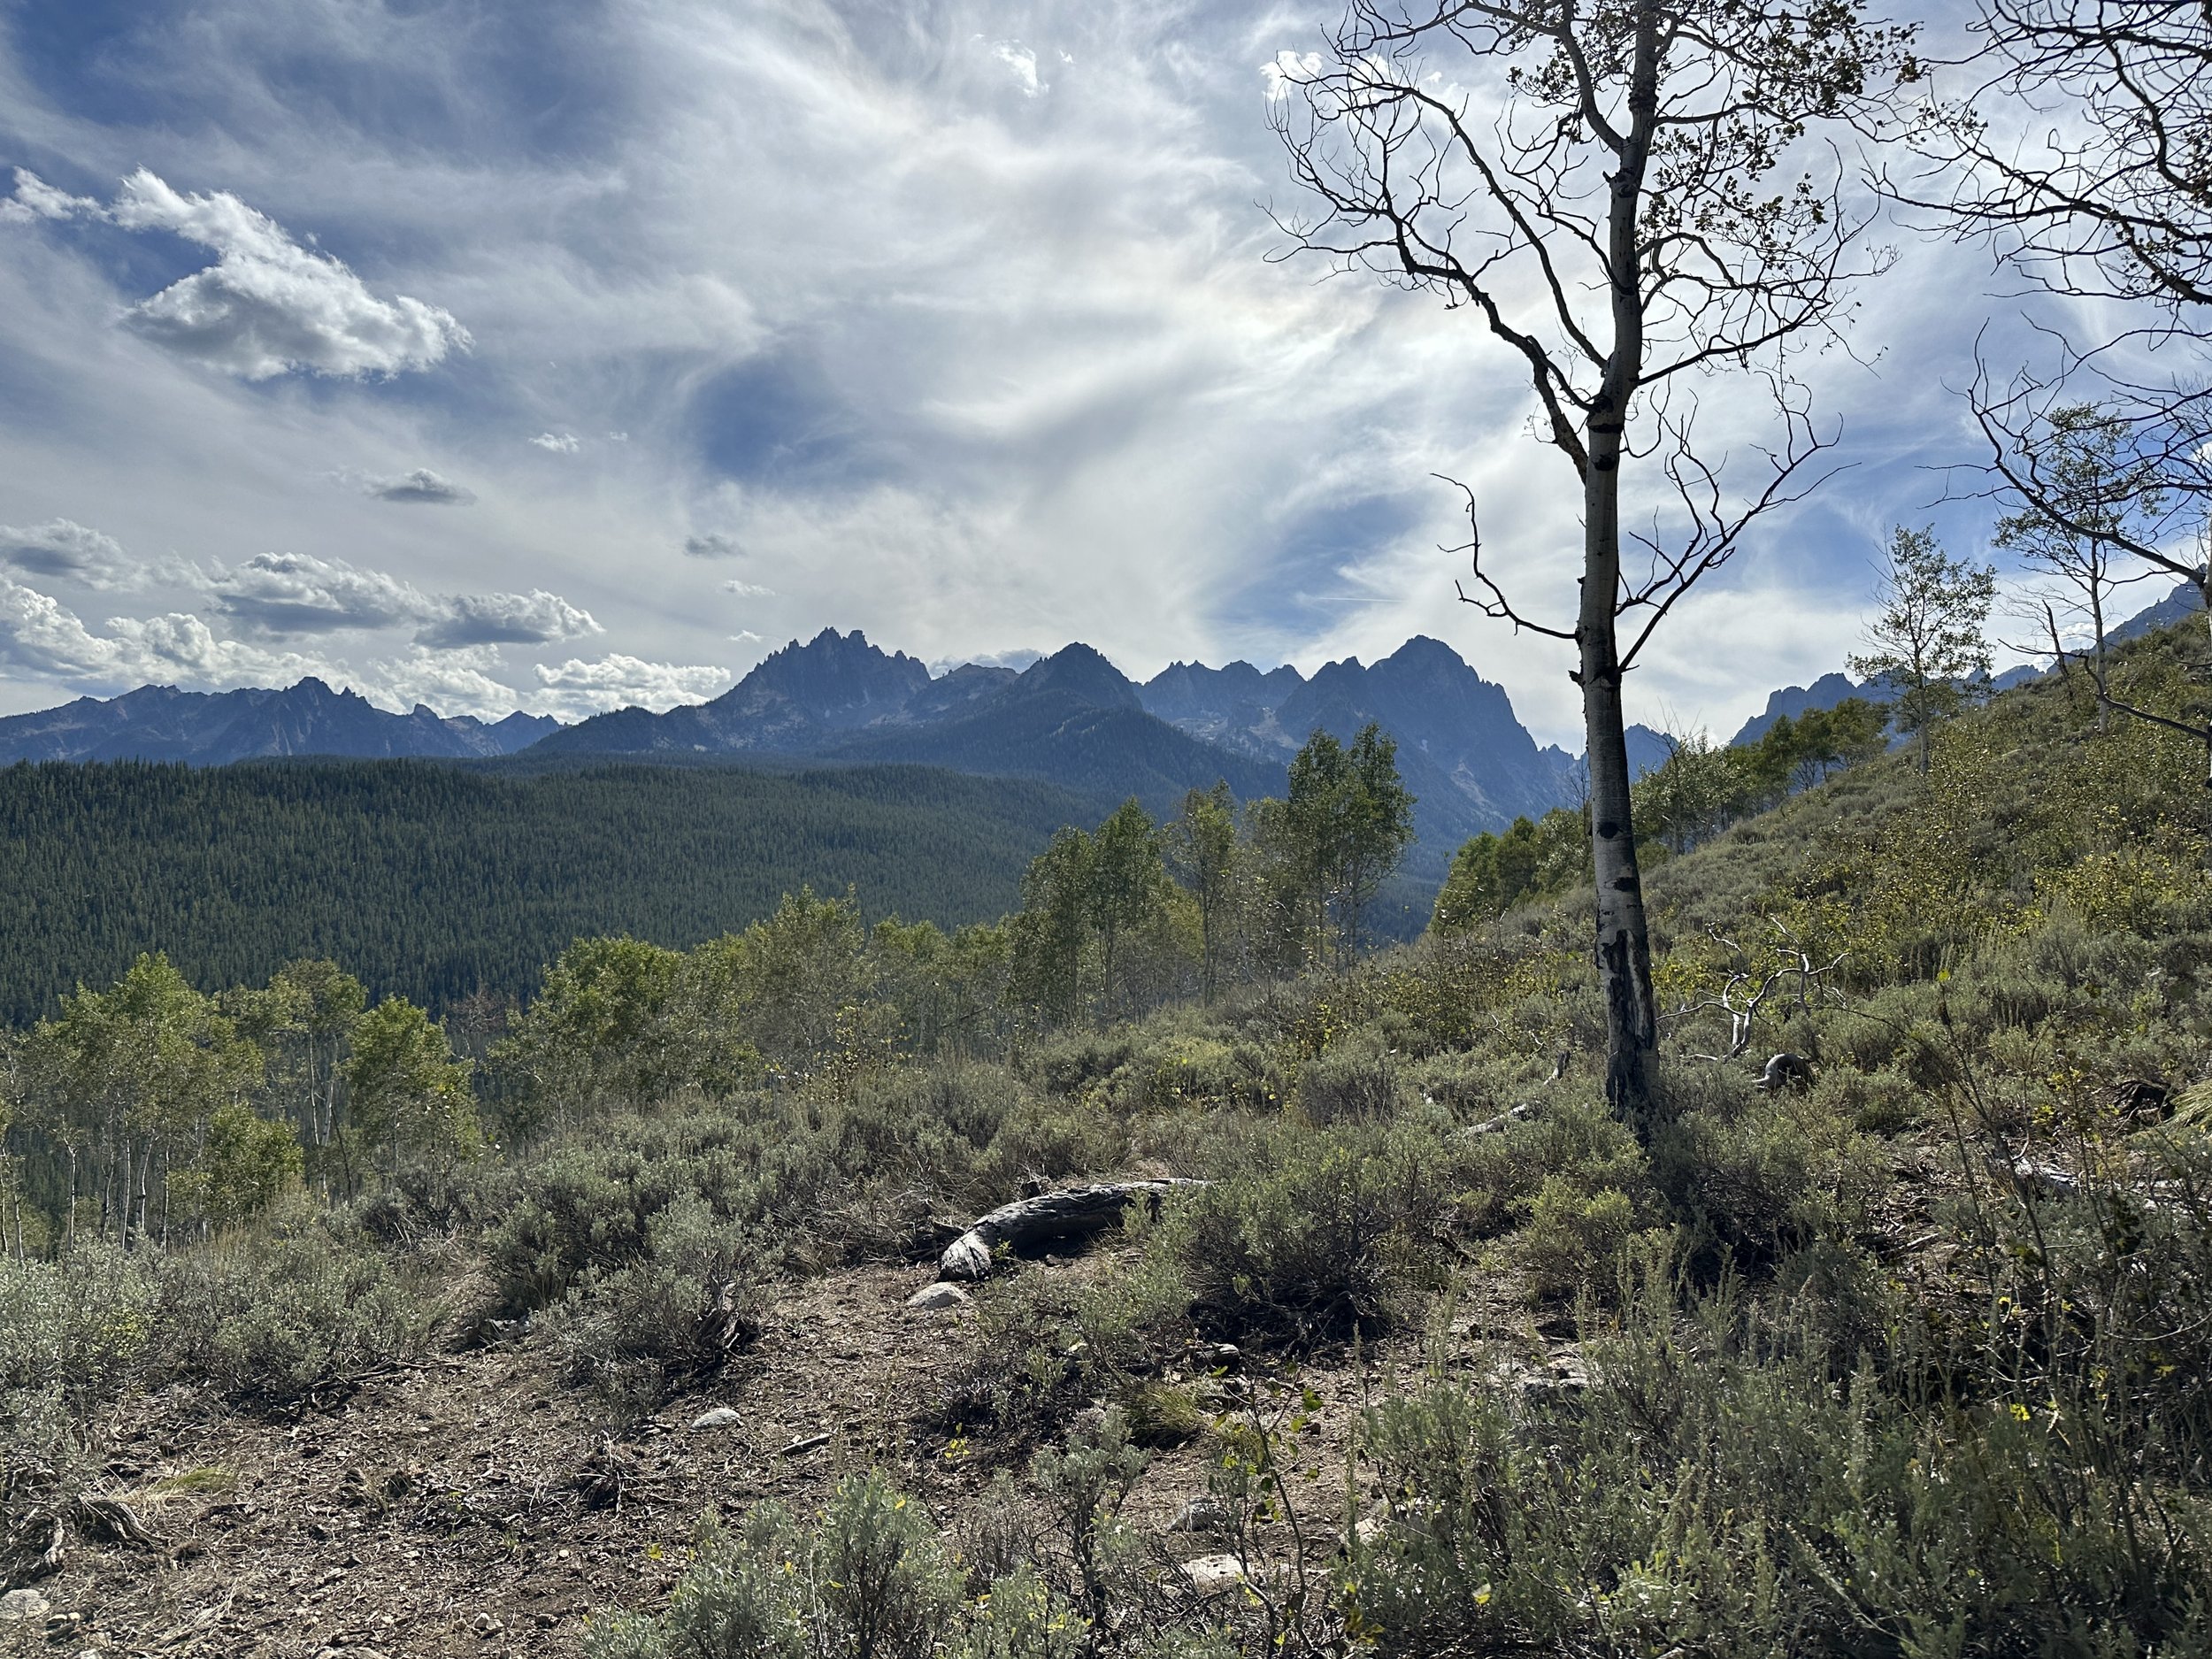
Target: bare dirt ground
pixel 471 1506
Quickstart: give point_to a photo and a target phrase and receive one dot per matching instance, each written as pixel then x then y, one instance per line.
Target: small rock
pixel 20 1606
pixel 719 1417
pixel 1214 1573
pixel 1202 1515
pixel 939 1297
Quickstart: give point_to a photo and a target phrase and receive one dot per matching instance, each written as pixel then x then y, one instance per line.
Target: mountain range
pixel 1074 718
pixel 215 728
pixel 1071 719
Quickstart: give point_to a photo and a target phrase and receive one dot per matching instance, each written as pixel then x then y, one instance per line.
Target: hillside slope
pixel 434 880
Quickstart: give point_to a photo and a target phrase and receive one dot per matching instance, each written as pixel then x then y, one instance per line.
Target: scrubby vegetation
pixel 1898 1351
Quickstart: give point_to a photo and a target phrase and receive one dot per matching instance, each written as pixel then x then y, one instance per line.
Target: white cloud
pixel 267 305
pixel 748 590
pixel 556 442
pixel 420 486
pixel 450 681
pixel 41 639
pixel 65 549
pixel 1023 61
pixel 577 689
pixel 536 618
pixel 285 595
pixel 35 199
pixel 1287 70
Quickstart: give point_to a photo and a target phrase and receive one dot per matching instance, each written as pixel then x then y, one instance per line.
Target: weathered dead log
pixel 1069 1213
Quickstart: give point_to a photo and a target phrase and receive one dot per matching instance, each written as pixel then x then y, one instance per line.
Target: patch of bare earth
pixel 472 1506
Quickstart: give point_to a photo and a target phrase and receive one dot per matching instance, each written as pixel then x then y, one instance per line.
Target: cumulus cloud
pixel 748 590
pixel 450 681
pixel 42 639
pixel 267 305
pixel 577 689
pixel 65 549
pixel 285 595
pixel 556 442
pixel 536 618
pixel 420 486
pixel 1287 70
pixel 713 545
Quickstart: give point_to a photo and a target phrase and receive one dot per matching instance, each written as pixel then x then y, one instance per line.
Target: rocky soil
pixel 471 1505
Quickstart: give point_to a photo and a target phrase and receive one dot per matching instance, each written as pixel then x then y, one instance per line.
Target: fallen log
pixel 1069 1212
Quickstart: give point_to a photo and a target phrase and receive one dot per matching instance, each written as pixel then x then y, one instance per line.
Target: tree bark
pixel 1070 1213
pixel 1624 934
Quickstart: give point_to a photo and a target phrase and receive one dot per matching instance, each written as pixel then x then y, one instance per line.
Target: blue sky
pixel 563 355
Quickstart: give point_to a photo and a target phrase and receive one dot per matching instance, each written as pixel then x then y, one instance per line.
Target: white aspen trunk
pixel 1623 935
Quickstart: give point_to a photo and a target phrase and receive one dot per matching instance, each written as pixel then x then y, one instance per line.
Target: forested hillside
pixel 434 881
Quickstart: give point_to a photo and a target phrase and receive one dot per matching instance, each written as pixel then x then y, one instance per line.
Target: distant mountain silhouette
pixel 1795 700
pixel 798 701
pixel 1072 718
pixel 215 728
pixel 1461 750
pixel 2186 600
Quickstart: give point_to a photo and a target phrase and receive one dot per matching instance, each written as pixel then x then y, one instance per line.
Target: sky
pixel 565 355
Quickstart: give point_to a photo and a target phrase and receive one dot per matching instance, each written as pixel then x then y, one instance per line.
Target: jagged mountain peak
pixel 207 729
pixel 1081 672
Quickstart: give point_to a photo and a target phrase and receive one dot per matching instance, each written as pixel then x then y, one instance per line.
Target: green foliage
pixel 1493 874
pixel 1928 638
pixel 1696 795
pixel 405 1093
pixel 245 1164
pixel 298 1317
pixel 868 1581
pixel 1349 821
pixel 1320 1234
pixel 302 1021
pixel 1201 846
pixel 1716 1488
pixel 432 880
pixel 81 1326
pixel 598 1032
pixel 677 1306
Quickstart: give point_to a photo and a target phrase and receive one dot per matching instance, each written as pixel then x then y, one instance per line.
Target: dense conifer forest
pixel 435 881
